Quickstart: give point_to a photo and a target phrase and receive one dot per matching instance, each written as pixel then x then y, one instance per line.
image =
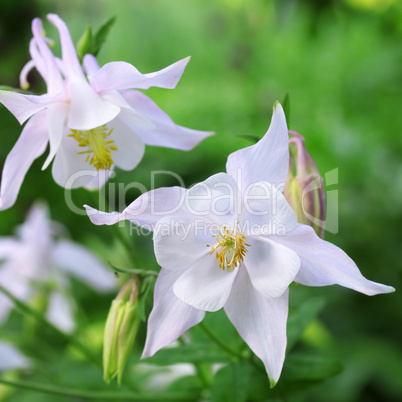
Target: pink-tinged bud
pixel 304 188
pixel 120 331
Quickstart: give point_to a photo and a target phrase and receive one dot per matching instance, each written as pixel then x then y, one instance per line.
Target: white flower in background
pixel 233 241
pixel 36 264
pixel 92 122
pixel 11 358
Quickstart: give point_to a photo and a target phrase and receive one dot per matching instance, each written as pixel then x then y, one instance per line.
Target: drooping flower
pixel 36 264
pixel 233 241
pixel 92 122
pixel 11 358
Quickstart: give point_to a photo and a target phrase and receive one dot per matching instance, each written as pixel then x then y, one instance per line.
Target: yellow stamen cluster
pixel 98 152
pixel 230 247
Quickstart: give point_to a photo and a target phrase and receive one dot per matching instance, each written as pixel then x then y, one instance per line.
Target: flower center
pixel 230 247
pixel 98 148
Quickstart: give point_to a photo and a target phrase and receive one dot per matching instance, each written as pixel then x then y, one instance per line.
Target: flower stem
pixel 214 338
pixel 90 395
pixel 227 349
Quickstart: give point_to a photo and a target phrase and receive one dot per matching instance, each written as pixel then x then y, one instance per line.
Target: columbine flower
pixel 11 358
pixel 233 241
pixel 35 264
pixel 91 122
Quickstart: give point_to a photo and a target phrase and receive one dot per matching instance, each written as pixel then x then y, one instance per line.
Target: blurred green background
pixel 341 62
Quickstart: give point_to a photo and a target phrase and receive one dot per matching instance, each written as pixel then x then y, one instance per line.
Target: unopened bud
pixel 304 186
pixel 120 331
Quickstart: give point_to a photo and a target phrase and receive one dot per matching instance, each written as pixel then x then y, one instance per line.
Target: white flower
pixel 11 358
pixel 36 264
pixel 233 241
pixel 91 122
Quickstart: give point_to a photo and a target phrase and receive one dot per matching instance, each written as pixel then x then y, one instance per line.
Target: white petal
pixel 90 64
pixel 87 109
pixel 120 75
pixel 69 169
pixel 60 312
pixel 130 147
pixel 146 210
pixel 48 64
pixel 23 106
pixel 170 317
pixel 56 120
pixel 11 358
pixel 31 144
pixel 268 160
pixel 266 211
pixel 178 243
pixel 165 132
pixel 204 285
pixel 84 265
pixel 322 263
pixel 70 58
pixel 261 322
pixel 214 200
pixel 271 266
pixel 100 177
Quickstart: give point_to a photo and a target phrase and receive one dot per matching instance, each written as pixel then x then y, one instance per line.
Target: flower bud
pixel 304 186
pixel 120 331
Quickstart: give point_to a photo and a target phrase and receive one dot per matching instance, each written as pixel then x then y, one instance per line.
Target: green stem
pixel 97 396
pixel 227 349
pixel 69 338
pixel 125 243
pixel 214 338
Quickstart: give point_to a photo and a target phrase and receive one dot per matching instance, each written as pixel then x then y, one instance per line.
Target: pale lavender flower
pixel 233 241
pixel 37 264
pixel 11 357
pixel 92 122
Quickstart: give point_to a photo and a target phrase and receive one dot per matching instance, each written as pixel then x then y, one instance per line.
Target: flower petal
pixel 24 106
pixel 69 55
pixel 179 243
pixel 270 156
pixel 69 169
pixel 11 358
pixel 56 119
pixel 84 265
pixel 214 200
pixel 165 132
pixel 323 263
pixel 130 147
pixel 170 317
pixel 146 210
pixel 261 322
pixel 119 75
pixel 52 75
pixel 87 109
pixel 271 266
pixel 266 211
pixel 204 285
pixel 31 144
pixel 60 312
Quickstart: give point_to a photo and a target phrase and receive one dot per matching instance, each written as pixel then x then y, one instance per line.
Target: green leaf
pixel 85 44
pixel 307 367
pixel 191 353
pixel 101 35
pixel 231 383
pixel 286 107
pixel 301 317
